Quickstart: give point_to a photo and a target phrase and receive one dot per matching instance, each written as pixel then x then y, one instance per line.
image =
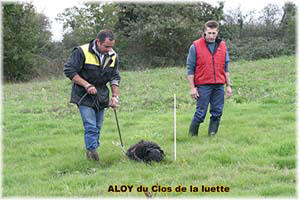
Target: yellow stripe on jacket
pixel 92 59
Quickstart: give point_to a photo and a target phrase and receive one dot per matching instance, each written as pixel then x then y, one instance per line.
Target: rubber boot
pixel 213 127
pixel 92 155
pixel 194 127
pixel 88 155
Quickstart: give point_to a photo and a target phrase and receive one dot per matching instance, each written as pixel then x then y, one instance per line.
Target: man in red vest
pixel 208 71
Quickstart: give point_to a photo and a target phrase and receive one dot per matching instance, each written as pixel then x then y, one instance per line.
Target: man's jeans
pixel 92 123
pixel 213 94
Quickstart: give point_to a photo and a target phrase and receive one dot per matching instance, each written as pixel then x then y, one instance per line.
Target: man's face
pixel 211 34
pixel 105 46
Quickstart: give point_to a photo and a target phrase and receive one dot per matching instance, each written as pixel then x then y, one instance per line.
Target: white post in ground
pixel 174 127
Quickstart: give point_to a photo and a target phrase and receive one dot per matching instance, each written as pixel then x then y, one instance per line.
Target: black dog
pixel 145 151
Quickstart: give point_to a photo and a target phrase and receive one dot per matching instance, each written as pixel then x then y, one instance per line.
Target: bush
pixel 258 48
pixel 150 38
pixel 25 33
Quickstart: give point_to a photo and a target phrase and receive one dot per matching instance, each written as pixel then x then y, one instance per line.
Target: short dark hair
pixel 211 24
pixel 106 33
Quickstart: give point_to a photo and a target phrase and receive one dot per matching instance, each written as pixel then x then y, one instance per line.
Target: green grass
pixel 254 153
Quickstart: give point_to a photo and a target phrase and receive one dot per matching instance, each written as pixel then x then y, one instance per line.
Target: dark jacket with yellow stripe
pixel 85 62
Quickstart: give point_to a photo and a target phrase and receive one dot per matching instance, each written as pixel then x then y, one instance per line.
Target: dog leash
pixel 95 102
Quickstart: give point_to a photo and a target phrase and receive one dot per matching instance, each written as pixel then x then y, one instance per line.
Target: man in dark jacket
pixel 208 71
pixel 91 67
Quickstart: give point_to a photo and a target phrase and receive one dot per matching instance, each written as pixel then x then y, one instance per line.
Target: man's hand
pixel 193 90
pixel 228 91
pixel 114 102
pixel 194 93
pixel 91 89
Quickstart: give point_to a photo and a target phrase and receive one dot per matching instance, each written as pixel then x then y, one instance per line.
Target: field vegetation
pixel 254 153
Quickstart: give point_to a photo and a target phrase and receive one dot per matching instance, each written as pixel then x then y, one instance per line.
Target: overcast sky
pixel 52 8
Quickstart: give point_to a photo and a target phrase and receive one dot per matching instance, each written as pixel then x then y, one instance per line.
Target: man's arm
pixel 193 90
pixel 227 75
pixel 89 87
pixel 74 64
pixel 191 65
pixel 72 68
pixel 114 84
pixel 115 91
pixel 115 96
pixel 228 84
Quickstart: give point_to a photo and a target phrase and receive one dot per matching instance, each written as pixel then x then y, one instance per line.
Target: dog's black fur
pixel 145 151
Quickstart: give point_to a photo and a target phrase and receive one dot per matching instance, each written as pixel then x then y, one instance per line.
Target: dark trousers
pixel 213 94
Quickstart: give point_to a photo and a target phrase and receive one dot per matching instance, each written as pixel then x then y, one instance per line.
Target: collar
pixel 210 42
pixel 95 49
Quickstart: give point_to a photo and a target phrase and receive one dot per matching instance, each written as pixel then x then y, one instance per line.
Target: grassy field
pixel 253 155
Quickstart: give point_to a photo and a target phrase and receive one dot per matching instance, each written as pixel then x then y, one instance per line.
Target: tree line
pixel 147 35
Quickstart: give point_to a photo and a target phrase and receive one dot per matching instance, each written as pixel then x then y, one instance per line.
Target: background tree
pixel 270 21
pixel 288 24
pixel 81 24
pixel 156 34
pixel 236 23
pixel 161 34
pixel 261 36
pixel 148 35
pixel 25 35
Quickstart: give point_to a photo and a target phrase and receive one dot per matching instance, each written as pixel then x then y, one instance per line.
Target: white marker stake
pixel 175 127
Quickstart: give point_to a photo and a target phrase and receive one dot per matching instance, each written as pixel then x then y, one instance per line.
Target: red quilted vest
pixel 209 68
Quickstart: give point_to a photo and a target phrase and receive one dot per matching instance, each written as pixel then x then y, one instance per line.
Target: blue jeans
pixel 212 94
pixel 92 123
